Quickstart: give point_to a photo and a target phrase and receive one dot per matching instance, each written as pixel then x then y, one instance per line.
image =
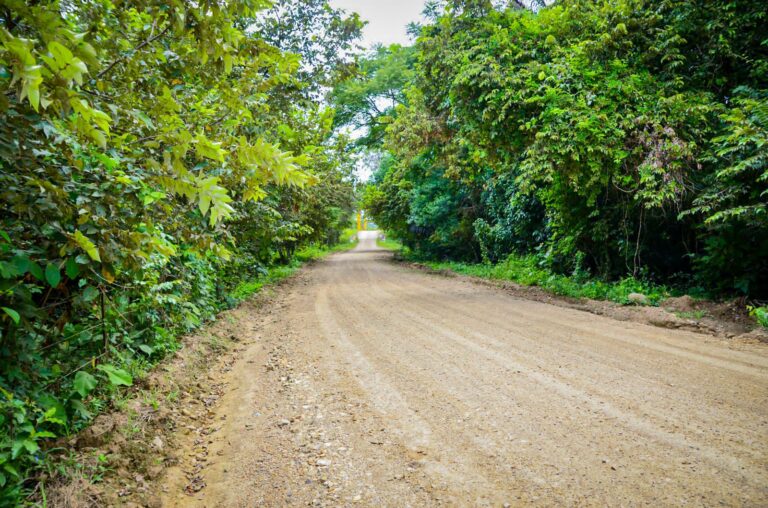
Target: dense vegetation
pixel 157 160
pixel 609 139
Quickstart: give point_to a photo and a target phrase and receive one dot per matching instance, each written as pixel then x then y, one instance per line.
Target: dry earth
pixel 374 384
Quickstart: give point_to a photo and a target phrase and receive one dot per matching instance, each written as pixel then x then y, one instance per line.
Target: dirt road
pixel 373 384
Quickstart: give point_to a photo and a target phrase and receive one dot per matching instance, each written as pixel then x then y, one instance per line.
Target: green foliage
pixel 369 100
pixel 623 138
pixel 389 243
pixel 152 157
pixel 325 37
pixel 760 314
pixel 275 274
pixel 696 315
pixel 528 271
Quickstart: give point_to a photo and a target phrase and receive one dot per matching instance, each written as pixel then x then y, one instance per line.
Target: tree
pixel 148 168
pixel 325 38
pixel 628 136
pixel 368 101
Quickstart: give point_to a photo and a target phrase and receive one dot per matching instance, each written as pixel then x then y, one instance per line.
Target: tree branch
pixel 150 40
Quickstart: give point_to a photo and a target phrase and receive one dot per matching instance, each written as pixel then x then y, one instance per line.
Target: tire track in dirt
pixel 640 383
pixel 386 386
pixel 719 458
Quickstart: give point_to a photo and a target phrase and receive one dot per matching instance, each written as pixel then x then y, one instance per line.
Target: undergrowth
pixel 760 314
pixel 389 243
pixel 277 273
pixel 527 271
pixel 26 452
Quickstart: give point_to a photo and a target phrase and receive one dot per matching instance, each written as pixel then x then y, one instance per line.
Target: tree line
pixel 618 138
pixel 154 157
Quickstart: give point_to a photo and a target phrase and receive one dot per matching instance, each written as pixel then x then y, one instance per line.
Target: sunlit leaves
pixel 90 122
pixel 12 314
pixel 62 62
pixel 213 197
pixel 267 163
pixel 26 70
pixel 144 173
pixel 87 245
pixel 30 88
pixel 623 123
pixel 207 149
pixel 739 191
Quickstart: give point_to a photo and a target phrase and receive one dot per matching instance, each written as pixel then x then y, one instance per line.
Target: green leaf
pixel 87 245
pixel 61 54
pixel 208 149
pixel 71 268
pixel 21 263
pixel 116 376
pixel 80 409
pixel 11 470
pixel 144 118
pixel 31 446
pixel 36 271
pixel 55 414
pixel 13 314
pixel 99 138
pixel 31 81
pixel 52 275
pixel 16 448
pixel 90 293
pixel 21 444
pixel 84 383
pixel 210 193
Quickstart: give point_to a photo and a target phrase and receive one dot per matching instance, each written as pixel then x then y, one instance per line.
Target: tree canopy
pixel 154 156
pixel 617 137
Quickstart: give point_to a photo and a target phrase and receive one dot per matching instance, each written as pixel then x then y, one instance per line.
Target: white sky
pixel 387 19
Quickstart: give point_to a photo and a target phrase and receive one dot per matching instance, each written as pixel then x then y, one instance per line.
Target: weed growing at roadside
pixel 528 271
pixel 760 314
pixel 696 315
pixel 389 243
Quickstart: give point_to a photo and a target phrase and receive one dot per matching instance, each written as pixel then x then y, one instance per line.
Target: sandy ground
pixel 374 384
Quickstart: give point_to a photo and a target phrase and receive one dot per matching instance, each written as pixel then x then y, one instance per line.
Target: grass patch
pixel 527 271
pixel 696 315
pixel 277 273
pixel 389 243
pixel 349 235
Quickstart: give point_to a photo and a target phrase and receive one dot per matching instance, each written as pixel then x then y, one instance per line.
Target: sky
pixel 387 19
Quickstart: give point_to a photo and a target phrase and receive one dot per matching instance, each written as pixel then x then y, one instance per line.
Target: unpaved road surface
pixel 370 384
